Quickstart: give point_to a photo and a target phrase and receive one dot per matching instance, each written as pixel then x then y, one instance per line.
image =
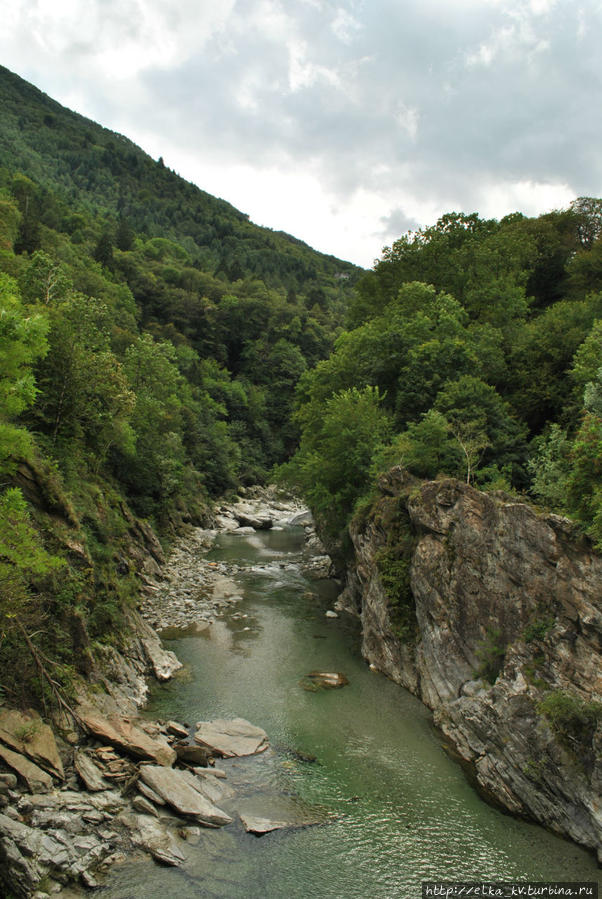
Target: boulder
pixel 192 755
pixel 258 522
pixel 163 662
pixel 37 780
pixel 178 730
pixel 231 738
pixel 89 773
pixel 301 519
pixel 121 732
pixel 145 807
pixel 262 814
pixel 259 826
pixel 149 794
pixel 149 834
pixel 26 733
pixel 180 790
pixel 329 679
pixel 211 788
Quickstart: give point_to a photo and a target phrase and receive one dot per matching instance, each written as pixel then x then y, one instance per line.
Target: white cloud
pixel 344 26
pixel 337 120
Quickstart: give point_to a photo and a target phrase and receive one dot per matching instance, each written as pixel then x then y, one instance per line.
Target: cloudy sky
pixel 345 123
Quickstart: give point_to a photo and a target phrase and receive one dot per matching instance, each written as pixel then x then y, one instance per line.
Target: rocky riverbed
pixel 192 591
pixel 94 787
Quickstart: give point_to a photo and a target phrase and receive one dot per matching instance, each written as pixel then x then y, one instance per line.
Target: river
pixel 399 810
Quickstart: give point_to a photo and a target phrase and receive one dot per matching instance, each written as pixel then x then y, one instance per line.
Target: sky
pixel 344 123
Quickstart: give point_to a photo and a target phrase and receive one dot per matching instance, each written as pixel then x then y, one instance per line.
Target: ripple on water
pixel 403 810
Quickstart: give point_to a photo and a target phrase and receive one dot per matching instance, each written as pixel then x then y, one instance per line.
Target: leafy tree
pixel 589 220
pixel 44 280
pixel 85 394
pixel 550 467
pixel 22 341
pixel 483 425
pixel 334 459
pixel 124 236
pixel 103 251
pixel 426 448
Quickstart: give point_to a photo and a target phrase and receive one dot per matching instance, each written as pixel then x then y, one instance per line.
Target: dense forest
pixel 158 350
pixel 474 350
pixel 151 339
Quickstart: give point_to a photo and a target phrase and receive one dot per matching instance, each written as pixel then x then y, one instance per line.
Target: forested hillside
pixel 158 350
pixel 151 339
pixel 475 350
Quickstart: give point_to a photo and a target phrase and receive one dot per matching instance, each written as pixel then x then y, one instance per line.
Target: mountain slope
pixel 106 173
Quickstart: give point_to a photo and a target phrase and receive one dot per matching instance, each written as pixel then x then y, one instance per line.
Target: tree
pixel 483 426
pixel 44 280
pixel 589 220
pixel 426 448
pixel 22 341
pixel 85 394
pixel 333 463
pixel 550 467
pixel 124 236
pixel 103 251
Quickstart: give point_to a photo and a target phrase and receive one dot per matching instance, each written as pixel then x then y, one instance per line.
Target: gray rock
pixel 211 788
pixel 255 522
pixel 257 825
pixel 149 834
pixel 9 779
pixel 150 794
pixel 301 519
pixel 88 772
pixel 485 571
pixel 120 731
pixel 328 679
pixel 180 790
pixel 164 663
pixel 34 777
pixel 192 755
pixel 231 737
pixel 26 733
pixel 178 730
pixel 145 807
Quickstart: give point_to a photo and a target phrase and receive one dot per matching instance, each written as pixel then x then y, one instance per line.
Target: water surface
pixel 400 811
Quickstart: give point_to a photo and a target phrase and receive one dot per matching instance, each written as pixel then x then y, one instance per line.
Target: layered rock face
pixel 506 643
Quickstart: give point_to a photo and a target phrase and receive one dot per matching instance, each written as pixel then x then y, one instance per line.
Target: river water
pixel 398 810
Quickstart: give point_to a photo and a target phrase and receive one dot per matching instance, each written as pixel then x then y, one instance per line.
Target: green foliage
pixel 550 467
pixel 538 627
pixel 572 719
pixel 340 438
pixel 491 653
pixel 427 448
pixel 394 562
pixel 22 341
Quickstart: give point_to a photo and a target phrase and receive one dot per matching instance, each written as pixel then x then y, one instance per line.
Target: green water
pixel 400 811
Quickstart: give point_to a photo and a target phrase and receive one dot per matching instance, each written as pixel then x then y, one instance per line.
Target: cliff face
pixel 506 643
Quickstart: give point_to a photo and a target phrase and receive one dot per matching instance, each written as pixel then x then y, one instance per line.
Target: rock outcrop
pixel 492 614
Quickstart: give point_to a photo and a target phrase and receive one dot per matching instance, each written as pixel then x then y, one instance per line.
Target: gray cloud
pixel 422 104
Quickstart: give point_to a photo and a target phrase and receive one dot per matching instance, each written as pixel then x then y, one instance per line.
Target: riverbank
pixel 103 783
pixel 193 592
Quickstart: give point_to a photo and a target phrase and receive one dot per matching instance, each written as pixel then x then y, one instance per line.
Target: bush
pixel 572 719
pixel 491 654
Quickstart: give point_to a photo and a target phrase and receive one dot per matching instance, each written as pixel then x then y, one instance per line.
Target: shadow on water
pixel 366 756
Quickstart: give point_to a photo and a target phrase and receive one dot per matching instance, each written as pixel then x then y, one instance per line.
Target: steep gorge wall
pixel 503 594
